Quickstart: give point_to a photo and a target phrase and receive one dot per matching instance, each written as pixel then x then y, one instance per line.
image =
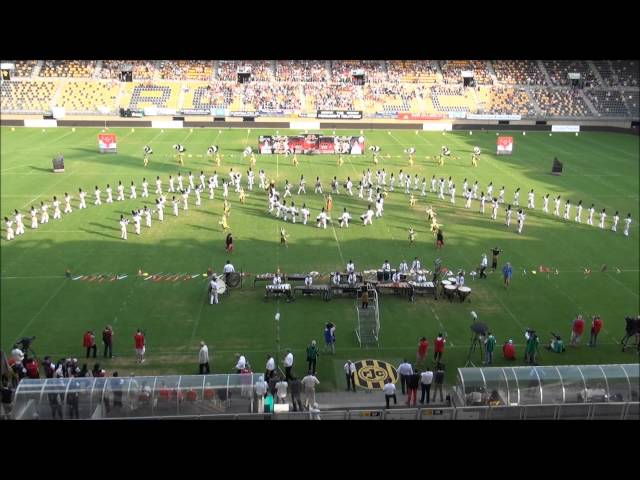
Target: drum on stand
pixel 463 292
pixel 452 279
pixel 449 290
pixel 386 276
pixel 380 275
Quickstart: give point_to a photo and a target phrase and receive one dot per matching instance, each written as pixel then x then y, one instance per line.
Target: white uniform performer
pixel 433 184
pixel 349 186
pixel 123 227
pixel 136 221
pixel 579 212
pixel 592 210
pixel 627 225
pixel 175 204
pixel 145 189
pixel 516 197
pixel 508 213
pixel 453 193
pixel 392 181
pixel 464 185
pixel 180 182
pixel 191 184
pixel 416 265
pixel 158 185
pixel 567 208
pixel 494 209
pixel 133 195
pixel 56 209
pixel 545 206
pixel 556 212
pixel 247 151
pixel 384 177
pixel 483 198
pixel 97 193
pixel 294 212
pixel 185 199
pixel 616 219
pixel 351 268
pixel 407 184
pixel 379 207
pixel 603 217
pixel 441 193
pixel 44 218
pixel 469 195
pixel 215 179
pixel 213 291
pixel 20 224
pixel 9 224
pixel 308 280
pixel 403 267
pixel 202 178
pixel 489 189
pixel 171 187
pixel 197 192
pixel 147 215
pixel 250 179
pixel 530 199
pixel 109 194
pixel 424 186
pixel 67 203
pixel 262 177
pixel 520 220
pixel 475 189
pixel 287 189
pixel 34 218
pixel 211 188
pixel 160 210
pixel 120 189
pixel 344 219
pixel 416 180
pixel 501 195
pixel 305 213
pixel 322 219
pixel 81 195
pixel 367 216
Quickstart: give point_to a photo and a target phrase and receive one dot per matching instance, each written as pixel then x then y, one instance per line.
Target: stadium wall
pixel 458 125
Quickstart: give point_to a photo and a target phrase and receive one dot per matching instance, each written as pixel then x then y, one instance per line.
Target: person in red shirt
pixel 32 368
pixel 423 346
pixel 596 326
pixel 89 342
pixel 576 330
pixel 138 338
pixel 509 350
pixel 439 347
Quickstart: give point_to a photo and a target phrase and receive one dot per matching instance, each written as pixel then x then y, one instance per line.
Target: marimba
pixel 263 277
pixel 346 289
pixel 322 290
pixel 398 288
pixel 277 290
pixel 423 288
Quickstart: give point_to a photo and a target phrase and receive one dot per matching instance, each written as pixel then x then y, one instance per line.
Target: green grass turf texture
pixel 599 167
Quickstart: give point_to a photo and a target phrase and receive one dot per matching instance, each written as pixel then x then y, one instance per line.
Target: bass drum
pixel 234 279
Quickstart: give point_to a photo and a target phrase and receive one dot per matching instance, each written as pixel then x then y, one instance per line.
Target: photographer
pixel 531 349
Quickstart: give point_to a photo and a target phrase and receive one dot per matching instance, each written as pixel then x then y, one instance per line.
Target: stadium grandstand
pixel 378 88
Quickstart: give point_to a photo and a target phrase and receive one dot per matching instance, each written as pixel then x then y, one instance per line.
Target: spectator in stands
pixel 32 368
pixel 261 392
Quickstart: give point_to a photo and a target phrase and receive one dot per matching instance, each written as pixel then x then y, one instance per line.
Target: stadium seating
pixel 261 70
pixel 271 96
pixel 68 68
pixel 159 94
pixel 452 71
pixel 518 72
pixel 626 72
pixel 301 71
pixel 505 101
pixel 328 96
pixel 200 70
pixel 608 103
pixel 562 103
pixel 374 70
pixel 88 96
pixel 559 70
pixel 203 96
pixel 412 71
pixel 24 68
pixel 452 99
pixel 27 96
pixel 631 98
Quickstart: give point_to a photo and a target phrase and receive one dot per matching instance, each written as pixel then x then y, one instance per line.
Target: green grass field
pixel 36 299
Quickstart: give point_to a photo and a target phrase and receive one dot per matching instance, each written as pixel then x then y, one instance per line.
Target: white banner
pixel 166 124
pixel 457 114
pixel 150 111
pixel 58 112
pixel 305 125
pixel 41 123
pixel 437 127
pixel 565 128
pixel 474 116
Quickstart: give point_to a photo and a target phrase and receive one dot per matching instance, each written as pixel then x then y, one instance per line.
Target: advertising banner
pixel 565 128
pixel 339 114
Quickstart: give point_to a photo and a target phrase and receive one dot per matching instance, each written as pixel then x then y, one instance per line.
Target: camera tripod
pixel 475 342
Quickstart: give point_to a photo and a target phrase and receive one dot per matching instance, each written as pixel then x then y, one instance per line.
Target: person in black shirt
pixel 440 239
pixel 229 243
pixel 494 263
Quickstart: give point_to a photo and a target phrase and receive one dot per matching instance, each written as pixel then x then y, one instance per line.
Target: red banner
pixel 415 116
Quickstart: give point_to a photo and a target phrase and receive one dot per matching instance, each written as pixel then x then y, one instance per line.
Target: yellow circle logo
pixel 373 374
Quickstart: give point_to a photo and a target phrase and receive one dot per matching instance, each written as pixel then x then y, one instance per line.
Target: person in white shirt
pixel 579 212
pixel 407 184
pixel 403 267
pixel 405 370
pixel 489 189
pixel 344 218
pixel 501 195
pixel 616 219
pixel 250 179
pixel 349 186
pixel 171 187
pixel 386 266
pixel 175 203
pixel 213 291
pixel 545 206
pixel 281 391
pixel 133 195
pixel 145 188
pixel 197 192
pixel 277 279
pixel 123 227
pixel 426 379
pixel 261 390
pixel 521 216
pixel 241 364
pixel 136 221
pixel 416 265
pixel 516 197
pixel 530 199
pixel 97 193
pixel 367 216
pixel 483 266
pixel 318 188
pixel 460 279
pixel 508 213
pixel 109 194
pixel 322 219
pixel 627 224
pixel 81 195
pixel 211 188
pixel 9 224
pixel 556 212
pixel 308 280
pixel 270 367
pixel 494 209
pixel 592 210
pixel 351 267
pixel 350 375
pixel 185 199
pixel 567 208
pixel 293 211
pixel 180 181
pixel 147 215
pixel 475 189
pixel 67 203
pixel 44 218
pixel 287 189
pixel 433 184
pixel 482 201
pixel 309 383
pixel 288 365
pixel 441 189
pixel 202 178
pixel 352 279
pixel 336 278
pixel 468 194
pixel 56 209
pixel 225 189
pixel 263 179
pixel 379 208
pixel 305 213
pixel 392 182
pixel 389 390
pixel 203 359
pixel 191 184
pixel 34 217
pixel 20 224
pixel 120 189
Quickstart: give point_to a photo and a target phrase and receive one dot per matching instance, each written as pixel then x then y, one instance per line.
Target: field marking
pixel 30 277
pixel 442 329
pixel 24 329
pixel 337 242
pixel 635 294
pixel 51 187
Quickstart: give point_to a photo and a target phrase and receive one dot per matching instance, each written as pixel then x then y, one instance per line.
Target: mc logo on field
pixel 372 374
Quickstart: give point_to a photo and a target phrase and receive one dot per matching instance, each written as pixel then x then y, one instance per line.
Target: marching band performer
pixel 123 227
pixel 592 210
pixel 367 216
pixel 508 216
pixel 520 220
pixel 567 208
pixel 627 224
pixel 145 189
pixel 403 267
pixel 545 206
pixel 616 219
pixel 9 224
pixel 133 195
pixel 34 217
pixel 412 236
pixel 556 212
pixel 81 195
pixel 67 203
pixel 147 151
pixel 322 219
pixel 579 212
pixel 175 204
pixel 530 199
pixel 109 194
pixel 344 218
pixel 305 213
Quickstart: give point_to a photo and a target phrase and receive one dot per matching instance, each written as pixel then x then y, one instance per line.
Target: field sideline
pixel 600 168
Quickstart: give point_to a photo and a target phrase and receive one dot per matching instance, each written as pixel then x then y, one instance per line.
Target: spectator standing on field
pixel 438 379
pixel 140 345
pixel 577 329
pixel 426 379
pixel 312 356
pixel 107 340
pixel 350 375
pixel 596 326
pixel 89 342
